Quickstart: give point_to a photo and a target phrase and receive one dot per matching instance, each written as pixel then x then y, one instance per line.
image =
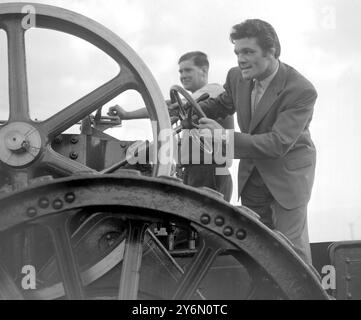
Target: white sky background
pixel 318 38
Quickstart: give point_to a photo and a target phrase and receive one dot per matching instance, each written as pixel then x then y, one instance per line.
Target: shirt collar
pixel 266 82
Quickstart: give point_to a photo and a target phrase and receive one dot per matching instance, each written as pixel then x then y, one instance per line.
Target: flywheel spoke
pixel 18 85
pixel 66 261
pixel 62 165
pixel 129 280
pixel 8 288
pixel 75 112
pixel 208 250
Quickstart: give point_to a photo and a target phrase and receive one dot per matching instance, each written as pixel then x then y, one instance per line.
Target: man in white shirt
pixel 193 72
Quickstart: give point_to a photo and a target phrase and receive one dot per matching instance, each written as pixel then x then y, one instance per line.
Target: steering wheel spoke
pixel 188 117
pixel 18 85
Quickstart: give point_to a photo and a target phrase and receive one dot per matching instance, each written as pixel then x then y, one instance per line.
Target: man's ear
pixel 205 69
pixel 272 52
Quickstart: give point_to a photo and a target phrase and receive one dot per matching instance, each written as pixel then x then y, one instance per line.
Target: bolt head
pixel 219 221
pixel 58 139
pixel 31 212
pixel 43 203
pixel 205 219
pixel 241 234
pixel 57 204
pixel 73 155
pixel 70 197
pixel 74 140
pixel 228 231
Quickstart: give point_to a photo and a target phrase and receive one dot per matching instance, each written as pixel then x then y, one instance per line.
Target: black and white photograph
pixel 164 150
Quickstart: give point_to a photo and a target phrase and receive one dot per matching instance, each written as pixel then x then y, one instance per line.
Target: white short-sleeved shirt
pixel 213 89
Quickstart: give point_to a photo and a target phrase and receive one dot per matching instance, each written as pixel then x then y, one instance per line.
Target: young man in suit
pixel 274 105
pixel 193 74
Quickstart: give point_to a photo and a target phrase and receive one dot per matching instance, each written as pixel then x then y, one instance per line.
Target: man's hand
pixel 206 123
pixel 173 109
pixel 118 111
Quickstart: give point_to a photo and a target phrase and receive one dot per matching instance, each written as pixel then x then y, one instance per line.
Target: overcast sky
pixel 318 38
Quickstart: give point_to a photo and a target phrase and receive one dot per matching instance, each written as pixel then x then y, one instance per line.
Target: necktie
pixel 256 95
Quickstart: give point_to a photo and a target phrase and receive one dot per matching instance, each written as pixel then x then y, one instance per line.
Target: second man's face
pixel 253 62
pixel 191 76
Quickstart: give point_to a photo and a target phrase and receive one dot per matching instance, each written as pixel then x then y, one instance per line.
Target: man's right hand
pixel 118 111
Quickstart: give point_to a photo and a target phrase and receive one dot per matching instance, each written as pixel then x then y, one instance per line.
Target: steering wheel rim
pixel 186 117
pixel 19 129
pixel 174 92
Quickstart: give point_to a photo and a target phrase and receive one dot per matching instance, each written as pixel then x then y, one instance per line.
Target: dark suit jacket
pixel 276 140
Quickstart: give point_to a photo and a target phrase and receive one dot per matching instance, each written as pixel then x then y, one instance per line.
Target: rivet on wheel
pixel 43 203
pixel 228 231
pixel 219 221
pixel 241 234
pixel 69 197
pixel 73 155
pixel 31 212
pixel 205 219
pixel 57 204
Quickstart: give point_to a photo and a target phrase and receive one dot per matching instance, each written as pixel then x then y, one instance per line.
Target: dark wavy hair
pixel 261 30
pixel 199 58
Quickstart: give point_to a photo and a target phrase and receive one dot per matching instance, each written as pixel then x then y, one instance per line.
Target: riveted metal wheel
pixel 117 213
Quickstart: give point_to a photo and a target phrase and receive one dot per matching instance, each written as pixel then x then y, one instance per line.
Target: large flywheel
pixel 25 145
pixel 264 265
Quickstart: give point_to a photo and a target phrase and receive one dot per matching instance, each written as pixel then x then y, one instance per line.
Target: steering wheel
pixel 189 114
pixel 185 114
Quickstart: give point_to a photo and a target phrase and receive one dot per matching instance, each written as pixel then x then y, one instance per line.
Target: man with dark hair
pixel 193 72
pixel 199 58
pixel 274 105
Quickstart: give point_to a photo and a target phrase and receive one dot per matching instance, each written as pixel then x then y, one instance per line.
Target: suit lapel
pixel 245 101
pixel 269 97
